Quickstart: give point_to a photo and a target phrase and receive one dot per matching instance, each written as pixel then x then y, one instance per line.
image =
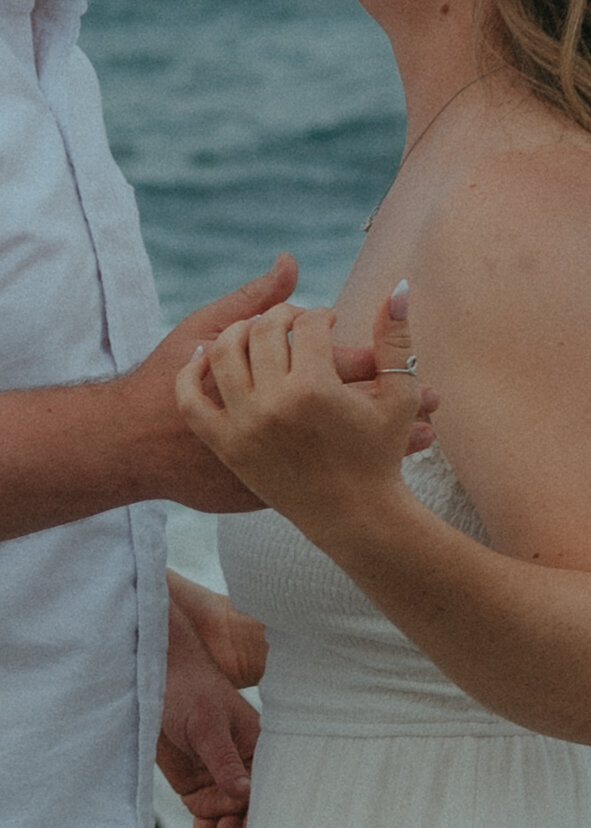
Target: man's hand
pixel 208 731
pixel 175 462
pixel 71 452
pixel 171 461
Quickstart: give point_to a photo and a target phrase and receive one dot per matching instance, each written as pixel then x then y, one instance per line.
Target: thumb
pixel 393 351
pixel 219 752
pixel 254 297
pixel 392 341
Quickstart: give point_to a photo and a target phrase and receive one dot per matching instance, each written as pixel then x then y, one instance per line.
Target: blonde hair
pixel 549 43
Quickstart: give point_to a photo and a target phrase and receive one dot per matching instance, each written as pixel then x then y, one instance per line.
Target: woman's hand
pixel 290 429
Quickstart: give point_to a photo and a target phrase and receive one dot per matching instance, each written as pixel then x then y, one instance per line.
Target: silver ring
pixel 412 364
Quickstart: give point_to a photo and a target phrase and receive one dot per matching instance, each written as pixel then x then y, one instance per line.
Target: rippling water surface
pixel 247 127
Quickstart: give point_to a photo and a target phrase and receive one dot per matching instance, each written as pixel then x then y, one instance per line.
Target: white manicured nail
pixel 399 302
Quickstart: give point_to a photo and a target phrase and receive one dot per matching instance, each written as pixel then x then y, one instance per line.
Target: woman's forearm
pixel 513 635
pixel 516 636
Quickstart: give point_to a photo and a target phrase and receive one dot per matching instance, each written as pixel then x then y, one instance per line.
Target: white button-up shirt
pixel 83 606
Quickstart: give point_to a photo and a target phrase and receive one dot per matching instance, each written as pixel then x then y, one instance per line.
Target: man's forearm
pixel 66 453
pixel 69 453
pixel 235 641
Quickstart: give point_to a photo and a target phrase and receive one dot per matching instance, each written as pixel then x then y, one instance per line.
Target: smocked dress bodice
pixel 354 713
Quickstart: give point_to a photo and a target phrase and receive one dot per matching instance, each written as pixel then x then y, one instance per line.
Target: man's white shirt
pixel 82 607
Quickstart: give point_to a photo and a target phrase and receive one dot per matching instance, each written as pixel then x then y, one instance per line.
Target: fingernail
pixel 198 353
pixel 243 783
pixel 399 302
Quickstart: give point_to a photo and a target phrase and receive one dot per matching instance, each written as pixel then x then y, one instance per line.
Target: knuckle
pixel 218 350
pixel 398 338
pixel 277 314
pixel 278 410
pixel 217 353
pixel 270 419
pixel 314 316
pixel 308 396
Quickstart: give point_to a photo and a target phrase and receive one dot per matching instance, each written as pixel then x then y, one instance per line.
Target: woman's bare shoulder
pixel 504 318
pixel 505 267
pixel 523 189
pixel 526 214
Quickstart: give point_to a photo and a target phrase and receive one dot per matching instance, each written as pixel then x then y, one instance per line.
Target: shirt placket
pixel 132 320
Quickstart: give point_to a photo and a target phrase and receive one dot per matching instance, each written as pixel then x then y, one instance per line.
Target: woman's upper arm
pixel 505 336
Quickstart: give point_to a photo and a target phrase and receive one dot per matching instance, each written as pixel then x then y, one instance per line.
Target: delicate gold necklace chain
pixel 369 221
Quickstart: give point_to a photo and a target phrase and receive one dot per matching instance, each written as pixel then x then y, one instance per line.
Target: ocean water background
pixel 247 127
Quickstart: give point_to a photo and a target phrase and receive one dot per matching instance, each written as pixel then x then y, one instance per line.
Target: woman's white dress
pixel 359 729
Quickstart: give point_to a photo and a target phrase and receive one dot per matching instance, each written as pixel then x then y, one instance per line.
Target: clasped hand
pixel 208 730
pixel 290 428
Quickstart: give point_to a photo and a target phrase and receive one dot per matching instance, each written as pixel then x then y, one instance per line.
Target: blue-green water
pixel 247 127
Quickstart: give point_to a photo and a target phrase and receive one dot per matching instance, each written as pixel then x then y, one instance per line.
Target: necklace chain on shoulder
pixel 366 226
